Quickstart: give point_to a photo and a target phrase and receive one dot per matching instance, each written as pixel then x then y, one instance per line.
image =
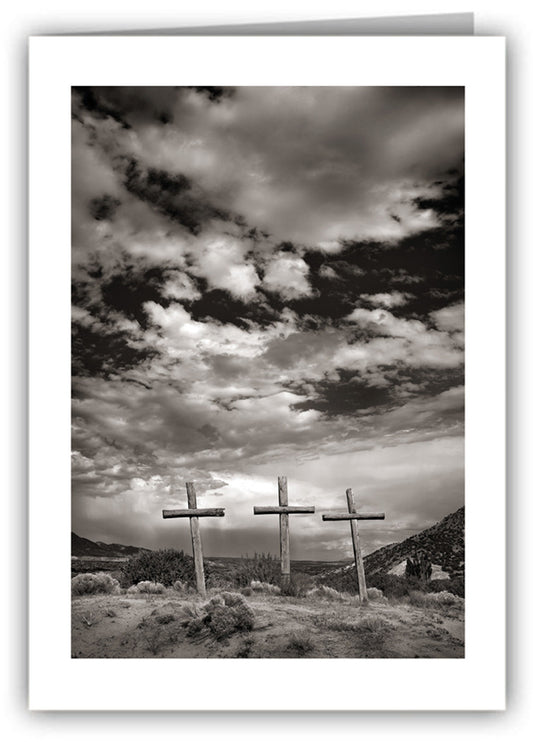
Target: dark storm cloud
pixel 222 306
pixel 104 207
pixel 127 292
pixel 101 354
pixel 172 195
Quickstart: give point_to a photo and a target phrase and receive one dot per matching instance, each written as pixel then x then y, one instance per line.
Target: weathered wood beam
pixel 196 541
pixel 358 556
pixel 283 499
pixel 269 510
pixel 194 512
pixel 339 515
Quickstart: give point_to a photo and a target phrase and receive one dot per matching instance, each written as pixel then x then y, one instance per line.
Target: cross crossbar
pixel 339 515
pixel 267 510
pixel 194 513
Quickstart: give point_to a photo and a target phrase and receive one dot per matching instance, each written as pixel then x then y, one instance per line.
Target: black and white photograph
pixel 268 372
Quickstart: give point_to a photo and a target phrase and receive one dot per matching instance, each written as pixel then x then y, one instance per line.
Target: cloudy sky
pixel 266 281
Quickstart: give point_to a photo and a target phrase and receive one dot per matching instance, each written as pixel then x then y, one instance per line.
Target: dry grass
pixel 323 592
pixel 299 645
pixel 442 599
pixel 146 586
pixel 93 583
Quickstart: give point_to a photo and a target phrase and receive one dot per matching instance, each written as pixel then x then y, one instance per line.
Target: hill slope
pixel 84 547
pixel 444 543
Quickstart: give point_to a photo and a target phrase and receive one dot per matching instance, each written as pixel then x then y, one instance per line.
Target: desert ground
pixel 170 625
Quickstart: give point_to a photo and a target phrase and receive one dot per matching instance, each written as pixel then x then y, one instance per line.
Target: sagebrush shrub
pixel 440 599
pixel 444 598
pixel 372 632
pixel 232 599
pixel 371 625
pixel 327 593
pixel 455 585
pixel 375 594
pixel 215 600
pixel 180 586
pixel 226 620
pixel 393 586
pixel 299 645
pixel 264 587
pixel 165 566
pixel 299 585
pixel 147 586
pixel 91 583
pixel 222 615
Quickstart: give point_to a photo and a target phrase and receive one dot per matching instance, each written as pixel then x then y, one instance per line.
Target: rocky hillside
pixel 83 547
pixel 444 543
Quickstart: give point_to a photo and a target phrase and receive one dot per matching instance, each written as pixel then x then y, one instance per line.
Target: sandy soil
pixel 155 626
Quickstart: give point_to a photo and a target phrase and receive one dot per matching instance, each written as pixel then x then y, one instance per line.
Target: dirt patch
pixel 116 626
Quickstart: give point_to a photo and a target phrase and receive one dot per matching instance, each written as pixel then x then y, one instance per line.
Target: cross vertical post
pixel 284 510
pixel 283 499
pixel 361 581
pixel 193 513
pixel 196 540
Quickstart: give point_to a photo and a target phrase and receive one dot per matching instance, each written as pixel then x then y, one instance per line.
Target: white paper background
pixel 58 682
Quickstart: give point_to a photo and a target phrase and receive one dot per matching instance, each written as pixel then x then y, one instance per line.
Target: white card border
pixel 476 682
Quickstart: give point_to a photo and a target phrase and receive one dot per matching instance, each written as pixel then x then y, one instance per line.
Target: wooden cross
pixel 283 510
pixel 193 513
pixel 353 516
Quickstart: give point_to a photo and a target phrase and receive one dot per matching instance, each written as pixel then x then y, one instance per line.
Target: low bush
pixel 226 620
pixel 93 583
pixel 153 588
pixel 371 625
pixel 146 586
pixel 372 631
pixel 246 648
pixel 232 599
pixel 165 566
pixel 223 615
pixel 327 593
pixel 180 586
pixel 441 599
pixel 259 568
pixel 299 645
pixel 455 585
pixel 376 595
pixel 264 587
pixel 392 586
pixel 299 585
pixel 165 618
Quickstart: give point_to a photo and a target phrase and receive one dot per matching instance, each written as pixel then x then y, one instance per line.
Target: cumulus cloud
pixel 287 275
pixel 450 318
pixel 221 259
pixel 180 287
pixel 390 300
